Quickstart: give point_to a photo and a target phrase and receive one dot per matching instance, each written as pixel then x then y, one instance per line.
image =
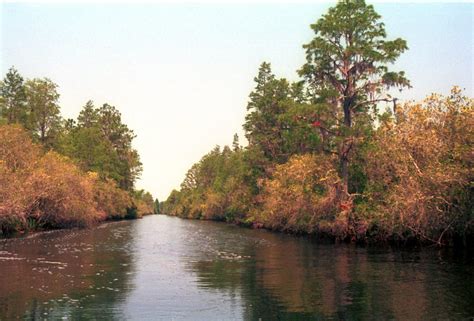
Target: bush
pixel 143 202
pixel 302 196
pixel 111 201
pixel 420 171
pixel 48 190
pixel 61 195
pixel 18 158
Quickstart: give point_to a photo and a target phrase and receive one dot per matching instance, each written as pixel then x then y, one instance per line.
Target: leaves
pixel 420 168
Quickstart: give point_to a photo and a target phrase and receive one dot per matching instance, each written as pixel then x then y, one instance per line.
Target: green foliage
pixel 100 142
pixel 300 135
pixel 349 52
pixel 217 187
pixel 156 206
pixel 143 202
pixel 44 114
pixel 267 102
pixel 13 108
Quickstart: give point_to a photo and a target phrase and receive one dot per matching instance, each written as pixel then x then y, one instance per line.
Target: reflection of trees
pixel 294 279
pixel 66 273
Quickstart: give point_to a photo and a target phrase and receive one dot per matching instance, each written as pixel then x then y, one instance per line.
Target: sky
pixel 181 73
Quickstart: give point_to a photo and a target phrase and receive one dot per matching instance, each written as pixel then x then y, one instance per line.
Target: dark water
pixel 164 268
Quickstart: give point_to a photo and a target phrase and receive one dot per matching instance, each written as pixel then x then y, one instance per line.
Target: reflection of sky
pixel 181 74
pixel 164 284
pixel 195 270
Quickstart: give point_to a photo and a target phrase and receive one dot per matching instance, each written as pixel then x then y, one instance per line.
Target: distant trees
pixel 156 206
pixel 144 202
pixel 214 188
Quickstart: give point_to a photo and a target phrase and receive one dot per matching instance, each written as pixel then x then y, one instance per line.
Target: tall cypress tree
pixel 347 66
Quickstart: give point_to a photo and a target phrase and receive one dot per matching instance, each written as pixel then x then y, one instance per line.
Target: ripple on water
pixel 164 268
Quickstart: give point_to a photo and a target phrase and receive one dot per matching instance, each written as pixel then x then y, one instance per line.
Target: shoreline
pixel 326 238
pixel 29 233
pixel 321 238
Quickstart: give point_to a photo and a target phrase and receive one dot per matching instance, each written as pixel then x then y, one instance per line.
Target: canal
pixel 166 268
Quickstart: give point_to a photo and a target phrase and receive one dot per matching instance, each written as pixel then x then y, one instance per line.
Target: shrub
pixel 61 195
pixel 420 170
pixel 18 158
pixel 49 190
pixel 302 196
pixel 111 201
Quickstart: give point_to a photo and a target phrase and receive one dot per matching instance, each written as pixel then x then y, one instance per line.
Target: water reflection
pixel 165 268
pixel 287 278
pixel 66 274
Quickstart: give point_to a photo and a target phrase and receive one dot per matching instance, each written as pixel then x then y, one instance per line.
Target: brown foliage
pixel 421 167
pixel 60 194
pixel 18 156
pixel 111 200
pixel 144 204
pixel 302 196
pixel 38 189
pixel 419 172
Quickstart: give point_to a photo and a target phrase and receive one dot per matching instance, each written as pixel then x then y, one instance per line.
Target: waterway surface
pixel 166 268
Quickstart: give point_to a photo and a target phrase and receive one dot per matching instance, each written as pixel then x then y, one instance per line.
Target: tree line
pixel 336 155
pixel 57 172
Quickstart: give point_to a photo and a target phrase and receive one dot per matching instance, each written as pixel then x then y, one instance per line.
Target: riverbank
pixel 466 242
pixel 333 153
pixel 35 229
pixel 41 189
pixel 60 172
pixel 410 182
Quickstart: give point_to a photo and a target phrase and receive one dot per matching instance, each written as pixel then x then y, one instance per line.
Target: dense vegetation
pixel 57 172
pixel 334 154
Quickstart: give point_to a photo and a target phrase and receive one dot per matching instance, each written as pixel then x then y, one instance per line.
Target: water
pixel 165 268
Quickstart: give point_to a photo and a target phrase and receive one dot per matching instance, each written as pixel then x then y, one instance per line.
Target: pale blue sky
pixel 181 74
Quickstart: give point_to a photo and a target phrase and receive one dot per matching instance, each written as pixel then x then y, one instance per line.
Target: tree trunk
pixel 344 163
pixel 344 151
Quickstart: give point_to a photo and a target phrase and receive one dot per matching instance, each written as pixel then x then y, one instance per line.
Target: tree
pixel 13 98
pixel 120 137
pixel 94 153
pixel 235 143
pixel 39 188
pixel 347 65
pixel 44 119
pixel 101 142
pixel 88 117
pixel 143 203
pixel 267 102
pixel 156 205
